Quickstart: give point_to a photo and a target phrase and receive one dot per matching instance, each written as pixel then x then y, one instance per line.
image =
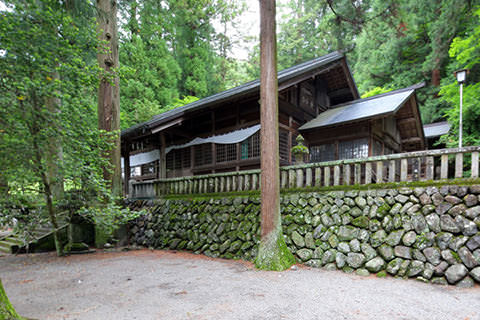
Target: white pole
pixel 460 125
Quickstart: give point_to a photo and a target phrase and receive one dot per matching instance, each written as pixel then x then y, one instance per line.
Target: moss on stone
pixel 361 222
pixel 7 312
pixel 382 274
pixel 273 253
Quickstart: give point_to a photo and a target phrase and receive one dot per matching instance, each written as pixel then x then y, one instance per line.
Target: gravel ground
pixel 167 285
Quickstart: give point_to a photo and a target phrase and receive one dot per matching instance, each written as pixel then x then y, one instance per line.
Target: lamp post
pixel 461 76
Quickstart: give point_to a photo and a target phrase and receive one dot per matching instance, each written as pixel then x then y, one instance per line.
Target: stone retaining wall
pixel 426 233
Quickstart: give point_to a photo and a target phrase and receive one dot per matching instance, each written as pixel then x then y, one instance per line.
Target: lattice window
pixel 170 160
pixel 324 152
pixel 178 159
pixel 353 149
pixel 226 152
pixel 203 154
pixel 250 147
pixel 186 158
pixel 283 145
pixel 377 149
pixel 149 168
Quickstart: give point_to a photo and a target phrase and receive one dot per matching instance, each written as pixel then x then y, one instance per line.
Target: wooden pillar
pixel 272 252
pixel 474 173
pixel 444 166
pixel 162 168
pixel 126 169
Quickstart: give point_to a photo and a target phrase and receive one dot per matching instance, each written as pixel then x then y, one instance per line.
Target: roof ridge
pixel 396 91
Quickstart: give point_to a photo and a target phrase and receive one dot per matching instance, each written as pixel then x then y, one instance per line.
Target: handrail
pixel 399 167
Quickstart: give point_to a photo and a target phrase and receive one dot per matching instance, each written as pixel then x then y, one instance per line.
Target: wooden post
pixel 474 164
pixel 291 178
pixel 247 182
pixel 308 177
pixel 240 182
pixel 299 175
pixel 347 174
pixel 126 169
pixel 162 172
pixel 444 167
pixel 228 183
pixel 326 176
pixel 284 179
pixel 459 165
pixel 255 181
pixel 358 173
pixel 429 168
pixel 379 171
pixel 403 169
pixel 391 171
pixel 318 177
pixel 273 254
pixel 368 173
pixel 336 175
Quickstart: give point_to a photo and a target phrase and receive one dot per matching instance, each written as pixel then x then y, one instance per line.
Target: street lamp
pixel 461 78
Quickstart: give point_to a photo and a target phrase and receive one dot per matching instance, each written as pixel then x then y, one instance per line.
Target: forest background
pixel 173 52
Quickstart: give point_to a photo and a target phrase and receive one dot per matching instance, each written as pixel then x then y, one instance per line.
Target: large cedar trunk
pixel 108 91
pixel 273 254
pixel 7 311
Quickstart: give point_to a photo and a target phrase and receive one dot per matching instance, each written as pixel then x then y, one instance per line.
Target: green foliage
pixel 375 91
pixel 466 53
pixel 171 50
pixel 108 216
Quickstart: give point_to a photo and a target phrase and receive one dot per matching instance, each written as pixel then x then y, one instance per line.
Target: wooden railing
pixel 401 167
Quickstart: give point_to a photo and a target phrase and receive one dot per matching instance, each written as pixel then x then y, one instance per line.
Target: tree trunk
pixel 54 155
pixel 273 253
pixel 108 91
pixel 7 312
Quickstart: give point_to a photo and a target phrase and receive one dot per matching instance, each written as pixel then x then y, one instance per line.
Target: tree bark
pixel 108 91
pixel 7 312
pixel 54 156
pixel 273 254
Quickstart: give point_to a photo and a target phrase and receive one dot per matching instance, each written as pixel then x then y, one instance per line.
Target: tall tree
pixel 41 39
pixel 273 253
pixel 7 312
pixel 109 91
pixel 465 50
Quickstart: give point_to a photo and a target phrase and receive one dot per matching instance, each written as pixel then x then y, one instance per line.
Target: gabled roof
pixel 437 129
pixel 231 94
pixel 379 105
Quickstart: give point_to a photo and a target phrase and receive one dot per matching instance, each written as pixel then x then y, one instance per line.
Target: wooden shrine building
pixel 318 99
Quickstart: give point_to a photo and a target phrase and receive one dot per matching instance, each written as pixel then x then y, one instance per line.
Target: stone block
pixel 355 260
pixel 456 273
pixel 403 252
pixel 376 264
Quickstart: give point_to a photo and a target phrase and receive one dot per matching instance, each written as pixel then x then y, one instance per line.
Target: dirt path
pixel 166 285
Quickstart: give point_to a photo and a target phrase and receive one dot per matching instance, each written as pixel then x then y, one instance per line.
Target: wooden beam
pixel 306 76
pixel 411 140
pixel 339 93
pixel 168 125
pixel 406 121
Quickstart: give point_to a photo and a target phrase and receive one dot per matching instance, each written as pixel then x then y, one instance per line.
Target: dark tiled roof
pixel 437 129
pixel 383 104
pixel 247 88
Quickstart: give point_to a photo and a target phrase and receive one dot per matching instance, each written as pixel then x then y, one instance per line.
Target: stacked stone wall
pixel 426 233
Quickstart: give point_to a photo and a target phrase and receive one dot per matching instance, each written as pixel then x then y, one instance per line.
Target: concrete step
pixel 6 250
pixel 5 244
pixel 13 240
